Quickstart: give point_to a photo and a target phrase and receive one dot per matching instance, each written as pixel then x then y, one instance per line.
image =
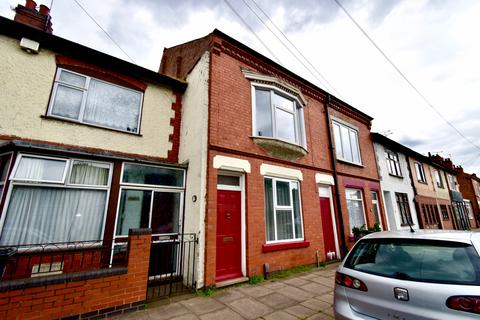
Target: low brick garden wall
pixel 82 295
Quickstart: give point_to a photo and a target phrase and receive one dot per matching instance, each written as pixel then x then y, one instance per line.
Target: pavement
pixel 306 295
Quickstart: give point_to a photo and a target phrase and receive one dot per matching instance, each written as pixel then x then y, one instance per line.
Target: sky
pixel 435 43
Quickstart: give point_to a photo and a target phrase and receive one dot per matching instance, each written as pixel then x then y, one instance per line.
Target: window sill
pixel 270 247
pixel 407 225
pixel 395 176
pixel 88 125
pixel 280 149
pixel 351 163
pixel 422 182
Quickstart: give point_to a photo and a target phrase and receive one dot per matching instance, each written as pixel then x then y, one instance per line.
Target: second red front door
pixel 327 227
pixel 229 229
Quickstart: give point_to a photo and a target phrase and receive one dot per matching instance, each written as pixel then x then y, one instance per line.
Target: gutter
pixel 331 148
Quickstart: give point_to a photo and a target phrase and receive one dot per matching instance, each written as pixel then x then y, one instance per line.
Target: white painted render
pixel 391 184
pixel 281 172
pixel 25 97
pixel 193 150
pixel 232 164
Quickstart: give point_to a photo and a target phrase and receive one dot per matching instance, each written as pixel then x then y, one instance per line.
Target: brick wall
pixel 81 297
pixel 466 188
pixel 255 223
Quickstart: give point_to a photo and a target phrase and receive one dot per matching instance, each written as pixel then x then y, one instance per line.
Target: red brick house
pixel 281 171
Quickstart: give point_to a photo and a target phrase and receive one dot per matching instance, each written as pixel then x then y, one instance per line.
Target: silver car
pixel 426 274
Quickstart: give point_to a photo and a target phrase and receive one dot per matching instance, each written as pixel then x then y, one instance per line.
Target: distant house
pixel 462 213
pixel 396 183
pixel 281 170
pixel 470 188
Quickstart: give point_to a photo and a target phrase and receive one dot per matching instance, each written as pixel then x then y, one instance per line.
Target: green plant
pixel 289 272
pixel 206 292
pixel 255 279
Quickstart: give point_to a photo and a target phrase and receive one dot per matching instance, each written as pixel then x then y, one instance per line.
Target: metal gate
pixel 172 265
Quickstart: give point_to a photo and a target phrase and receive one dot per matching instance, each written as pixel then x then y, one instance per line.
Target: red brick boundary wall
pixel 83 295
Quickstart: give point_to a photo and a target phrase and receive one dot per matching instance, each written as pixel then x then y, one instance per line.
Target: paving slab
pixel 316 305
pixel 201 305
pixel 223 314
pixel 188 316
pixel 228 295
pixel 328 282
pixel 296 293
pixel 327 297
pixel 320 316
pixel 315 288
pixel 297 282
pixel 274 286
pixel 250 309
pixel 278 301
pixel 300 311
pixel 280 315
pixel 167 311
pixel 255 291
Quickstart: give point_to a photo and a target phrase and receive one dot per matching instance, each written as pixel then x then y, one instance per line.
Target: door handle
pixel 227 239
pixel 228 215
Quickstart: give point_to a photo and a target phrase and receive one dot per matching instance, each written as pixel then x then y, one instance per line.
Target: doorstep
pixel 231 282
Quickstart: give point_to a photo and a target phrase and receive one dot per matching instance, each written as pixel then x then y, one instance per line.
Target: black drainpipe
pixel 343 245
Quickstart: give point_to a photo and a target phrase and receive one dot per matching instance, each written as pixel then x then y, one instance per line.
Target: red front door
pixel 229 249
pixel 327 226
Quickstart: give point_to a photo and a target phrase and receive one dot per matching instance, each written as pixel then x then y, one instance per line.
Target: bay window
pixel 55 200
pixel 85 99
pixel 283 216
pixel 278 115
pixel 346 142
pixel 356 213
pixel 4 166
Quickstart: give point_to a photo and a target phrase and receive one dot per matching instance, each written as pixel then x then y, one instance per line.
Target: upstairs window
pixel 438 179
pixel 420 172
pixel 278 115
pixel 346 142
pixel 84 99
pixel 393 164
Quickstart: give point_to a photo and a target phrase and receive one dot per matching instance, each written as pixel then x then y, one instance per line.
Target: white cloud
pixel 433 42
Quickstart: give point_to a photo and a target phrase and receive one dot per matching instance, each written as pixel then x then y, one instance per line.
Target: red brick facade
pixel 230 134
pixel 467 188
pixel 91 298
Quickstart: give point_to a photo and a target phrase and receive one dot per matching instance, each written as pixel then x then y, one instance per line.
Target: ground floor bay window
pixel 55 200
pixel 356 213
pixel 283 216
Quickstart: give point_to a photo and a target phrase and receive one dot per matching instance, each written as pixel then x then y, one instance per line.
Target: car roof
pixel 448 235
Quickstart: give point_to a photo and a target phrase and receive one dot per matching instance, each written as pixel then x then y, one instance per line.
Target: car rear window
pixel 417 260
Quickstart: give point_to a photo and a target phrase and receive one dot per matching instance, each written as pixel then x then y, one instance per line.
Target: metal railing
pixel 35 260
pixel 172 265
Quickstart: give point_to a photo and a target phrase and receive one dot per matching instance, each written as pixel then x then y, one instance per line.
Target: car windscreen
pixel 417 260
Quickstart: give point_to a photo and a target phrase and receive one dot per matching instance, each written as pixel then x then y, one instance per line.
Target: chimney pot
pixel 44 10
pixel 30 4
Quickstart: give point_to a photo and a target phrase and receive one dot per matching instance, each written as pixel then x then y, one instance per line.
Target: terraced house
pixel 88 152
pixel 281 170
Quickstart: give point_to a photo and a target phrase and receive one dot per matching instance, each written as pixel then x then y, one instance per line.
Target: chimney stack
pixel 29 15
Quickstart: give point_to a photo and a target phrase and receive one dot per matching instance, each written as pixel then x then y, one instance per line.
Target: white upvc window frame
pixel 339 142
pixel 361 200
pixel 151 185
pixel 4 182
pixel 84 89
pixel 298 114
pixel 27 155
pixel 438 179
pixel 420 172
pixel 64 185
pixel 376 204
pixel 290 207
